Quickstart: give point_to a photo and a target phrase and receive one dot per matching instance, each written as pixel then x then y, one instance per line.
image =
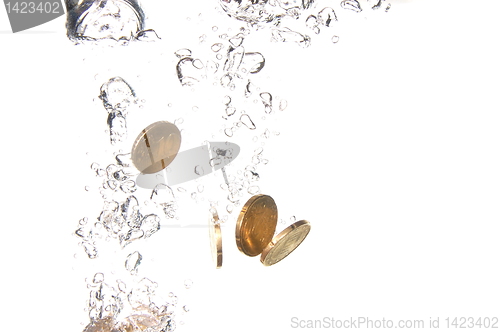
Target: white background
pixel 389 147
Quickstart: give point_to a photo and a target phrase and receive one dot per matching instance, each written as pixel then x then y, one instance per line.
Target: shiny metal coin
pixel 215 235
pixel 156 147
pixel 285 242
pixel 256 224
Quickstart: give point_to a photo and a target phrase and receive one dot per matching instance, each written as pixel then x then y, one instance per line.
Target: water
pixel 234 68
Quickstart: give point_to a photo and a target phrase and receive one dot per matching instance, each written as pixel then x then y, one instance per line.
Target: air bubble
pixel 230 110
pixel 326 16
pixel 217 47
pixel 198 170
pixel 245 119
pixel 188 283
pixel 283 104
pixel 133 261
pixel 98 278
pixel 351 5
pixel 228 132
pixel 253 190
pixel 183 53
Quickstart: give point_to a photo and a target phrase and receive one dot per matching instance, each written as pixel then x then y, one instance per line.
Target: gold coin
pixel 215 239
pixel 156 147
pixel 256 224
pixel 285 242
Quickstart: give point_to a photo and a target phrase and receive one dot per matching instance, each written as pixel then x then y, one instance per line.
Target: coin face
pixel 156 147
pixel 256 224
pixel 285 242
pixel 215 239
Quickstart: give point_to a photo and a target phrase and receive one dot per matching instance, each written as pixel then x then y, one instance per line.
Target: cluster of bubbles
pixel 303 15
pixel 116 307
pixel 119 21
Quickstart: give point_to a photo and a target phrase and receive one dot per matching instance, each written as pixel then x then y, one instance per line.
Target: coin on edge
pixel 285 242
pixel 215 239
pixel 156 147
pixel 256 224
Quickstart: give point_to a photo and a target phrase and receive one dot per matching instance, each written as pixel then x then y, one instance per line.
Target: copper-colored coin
pixel 215 239
pixel 285 242
pixel 156 147
pixel 256 224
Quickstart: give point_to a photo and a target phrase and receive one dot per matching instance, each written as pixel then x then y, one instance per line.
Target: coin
pixel 285 242
pixel 256 224
pixel 215 239
pixel 156 147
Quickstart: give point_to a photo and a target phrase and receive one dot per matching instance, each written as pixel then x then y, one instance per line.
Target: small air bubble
pixel 228 132
pixel 98 278
pixel 217 47
pixel 199 170
pixel 245 119
pixel 335 39
pixel 188 283
pixel 215 28
pixel 87 188
pixel 195 108
pixel 283 104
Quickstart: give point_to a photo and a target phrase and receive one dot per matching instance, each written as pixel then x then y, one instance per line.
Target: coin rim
pixel 217 241
pixel 244 210
pixel 284 233
pixel 144 132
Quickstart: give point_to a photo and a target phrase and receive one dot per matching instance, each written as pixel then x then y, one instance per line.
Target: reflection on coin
pixel 215 239
pixel 285 242
pixel 256 224
pixel 156 147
